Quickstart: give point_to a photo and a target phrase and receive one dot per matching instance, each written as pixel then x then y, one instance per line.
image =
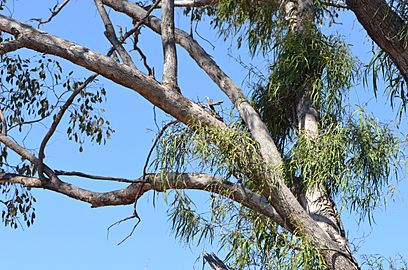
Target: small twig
pixel 95 177
pixel 54 12
pixel 142 55
pixel 159 135
pixel 135 215
pixel 136 31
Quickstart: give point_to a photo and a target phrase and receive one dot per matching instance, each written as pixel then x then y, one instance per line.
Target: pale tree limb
pixel 168 43
pixel 171 102
pixel 3 123
pixel 315 199
pixel 111 35
pixel 215 262
pixel 156 182
pixel 25 154
pixel 258 129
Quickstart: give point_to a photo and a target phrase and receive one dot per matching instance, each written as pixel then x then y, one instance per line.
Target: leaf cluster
pixel 229 152
pixel 321 66
pixel 18 203
pixel 354 161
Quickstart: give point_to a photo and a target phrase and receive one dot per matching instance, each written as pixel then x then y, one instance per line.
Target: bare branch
pixel 157 182
pixel 215 262
pixel 94 177
pixel 158 136
pixel 57 120
pixel 385 27
pixel 111 35
pixel 193 3
pixel 168 43
pixel 54 12
pixel 171 102
pixel 258 129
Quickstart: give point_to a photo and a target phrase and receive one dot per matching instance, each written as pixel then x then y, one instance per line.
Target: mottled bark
pixel 385 28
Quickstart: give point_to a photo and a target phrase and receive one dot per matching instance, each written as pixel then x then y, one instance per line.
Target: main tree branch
pixel 156 182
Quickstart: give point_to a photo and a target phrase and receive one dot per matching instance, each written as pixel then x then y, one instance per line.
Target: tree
pixel 275 167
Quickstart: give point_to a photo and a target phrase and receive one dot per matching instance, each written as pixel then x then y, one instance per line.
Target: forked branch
pixel 111 35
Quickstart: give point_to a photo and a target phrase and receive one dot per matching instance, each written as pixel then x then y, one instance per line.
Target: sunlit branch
pixel 111 35
pixel 156 182
pixel 168 43
pixel 25 154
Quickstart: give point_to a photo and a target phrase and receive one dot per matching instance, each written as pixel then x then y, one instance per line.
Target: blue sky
pixel 69 234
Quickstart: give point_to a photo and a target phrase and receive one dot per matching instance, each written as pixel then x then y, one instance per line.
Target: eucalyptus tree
pixel 278 167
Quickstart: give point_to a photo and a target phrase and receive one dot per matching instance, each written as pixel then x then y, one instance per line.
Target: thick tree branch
pixel 168 43
pixel 156 182
pixel 111 35
pixel 385 27
pixel 275 190
pixel 170 101
pixel 10 46
pixel 215 262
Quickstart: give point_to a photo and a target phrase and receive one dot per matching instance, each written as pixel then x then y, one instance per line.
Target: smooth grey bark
pixel 169 45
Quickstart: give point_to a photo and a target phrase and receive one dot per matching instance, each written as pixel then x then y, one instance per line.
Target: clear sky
pixel 69 234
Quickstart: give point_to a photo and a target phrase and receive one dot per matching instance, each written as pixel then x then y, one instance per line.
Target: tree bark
pixel 385 28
